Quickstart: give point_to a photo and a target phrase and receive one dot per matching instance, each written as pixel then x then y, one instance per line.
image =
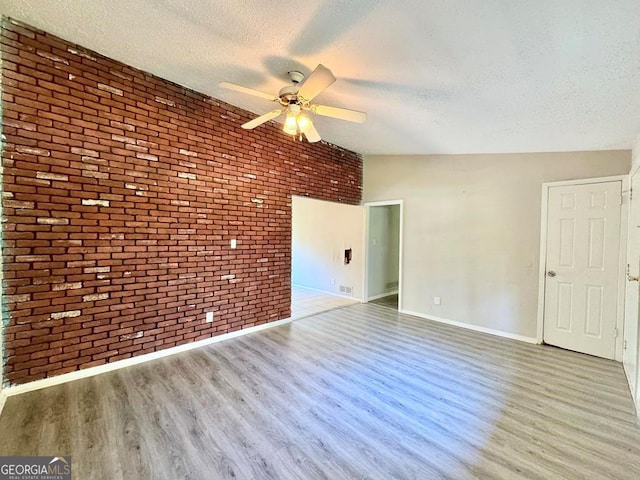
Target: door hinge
pixel 615 333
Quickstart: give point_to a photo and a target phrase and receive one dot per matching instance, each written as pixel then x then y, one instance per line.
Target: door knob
pixel 631 278
pixel 551 273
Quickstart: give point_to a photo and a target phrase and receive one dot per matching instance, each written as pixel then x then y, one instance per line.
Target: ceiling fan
pixel 295 101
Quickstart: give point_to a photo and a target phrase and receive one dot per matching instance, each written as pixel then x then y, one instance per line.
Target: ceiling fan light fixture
pixel 297 97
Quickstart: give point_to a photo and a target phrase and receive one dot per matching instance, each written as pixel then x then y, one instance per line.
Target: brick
pixel 41 152
pixel 53 221
pixel 52 57
pixel 33 258
pixel 86 152
pixel 31 127
pixel 90 202
pixel 17 204
pixel 146 156
pixel 110 89
pixel 17 298
pixel 67 314
pixel 97 269
pixel 188 153
pixel 123 139
pixel 165 101
pixel 94 297
pixel 81 54
pixel 52 176
pixel 66 286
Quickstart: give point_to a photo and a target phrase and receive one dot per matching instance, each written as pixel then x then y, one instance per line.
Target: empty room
pixel 320 240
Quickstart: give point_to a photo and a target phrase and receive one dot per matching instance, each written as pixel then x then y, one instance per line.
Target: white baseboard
pixel 326 292
pixel 109 367
pixel 382 295
pixel 468 326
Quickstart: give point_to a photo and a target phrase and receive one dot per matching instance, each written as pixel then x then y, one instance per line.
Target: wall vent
pixel 345 289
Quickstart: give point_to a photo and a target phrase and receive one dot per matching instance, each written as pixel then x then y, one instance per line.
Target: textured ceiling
pixel 434 76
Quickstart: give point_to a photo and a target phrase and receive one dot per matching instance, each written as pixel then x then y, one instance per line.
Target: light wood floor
pixel 306 302
pixel 390 301
pixel 360 392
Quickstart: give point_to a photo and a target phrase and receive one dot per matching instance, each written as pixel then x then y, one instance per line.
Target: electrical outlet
pixel 436 300
pixel 333 281
pixel 234 243
pixel 209 317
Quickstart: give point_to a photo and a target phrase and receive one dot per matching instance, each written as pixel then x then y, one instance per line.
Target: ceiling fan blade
pixel 262 119
pixel 319 79
pixel 341 113
pixel 248 91
pixel 312 134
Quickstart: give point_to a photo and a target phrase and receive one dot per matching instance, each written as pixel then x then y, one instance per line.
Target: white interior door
pixel 582 267
pixel 630 352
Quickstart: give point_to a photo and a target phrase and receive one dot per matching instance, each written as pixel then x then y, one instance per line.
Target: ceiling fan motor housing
pixel 288 95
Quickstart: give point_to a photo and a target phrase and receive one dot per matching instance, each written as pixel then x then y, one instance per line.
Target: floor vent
pixel 346 290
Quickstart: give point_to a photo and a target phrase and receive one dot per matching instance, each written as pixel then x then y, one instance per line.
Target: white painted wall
pixel 321 231
pixel 472 229
pixel 383 247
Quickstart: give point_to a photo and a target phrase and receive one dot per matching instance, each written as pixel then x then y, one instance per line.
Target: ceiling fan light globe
pixel 304 123
pixel 290 125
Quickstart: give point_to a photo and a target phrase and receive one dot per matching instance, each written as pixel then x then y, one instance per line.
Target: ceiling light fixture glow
pixel 290 124
pixel 304 123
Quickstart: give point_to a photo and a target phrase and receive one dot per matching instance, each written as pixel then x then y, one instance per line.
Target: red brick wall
pixel 122 192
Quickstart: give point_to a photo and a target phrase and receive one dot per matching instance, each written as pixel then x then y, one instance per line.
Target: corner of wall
pixel 635 153
pixel 3 399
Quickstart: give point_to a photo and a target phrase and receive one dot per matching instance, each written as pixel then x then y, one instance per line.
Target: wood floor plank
pixel 358 392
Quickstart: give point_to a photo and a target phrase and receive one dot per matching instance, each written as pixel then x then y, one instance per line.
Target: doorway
pixel 581 257
pixel 322 234
pixel 383 263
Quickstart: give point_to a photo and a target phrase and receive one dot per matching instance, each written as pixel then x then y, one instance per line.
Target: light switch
pixel 234 243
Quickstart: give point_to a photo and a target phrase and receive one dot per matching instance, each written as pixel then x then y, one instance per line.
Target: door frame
pixel 367 214
pixel 632 381
pixel 624 219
